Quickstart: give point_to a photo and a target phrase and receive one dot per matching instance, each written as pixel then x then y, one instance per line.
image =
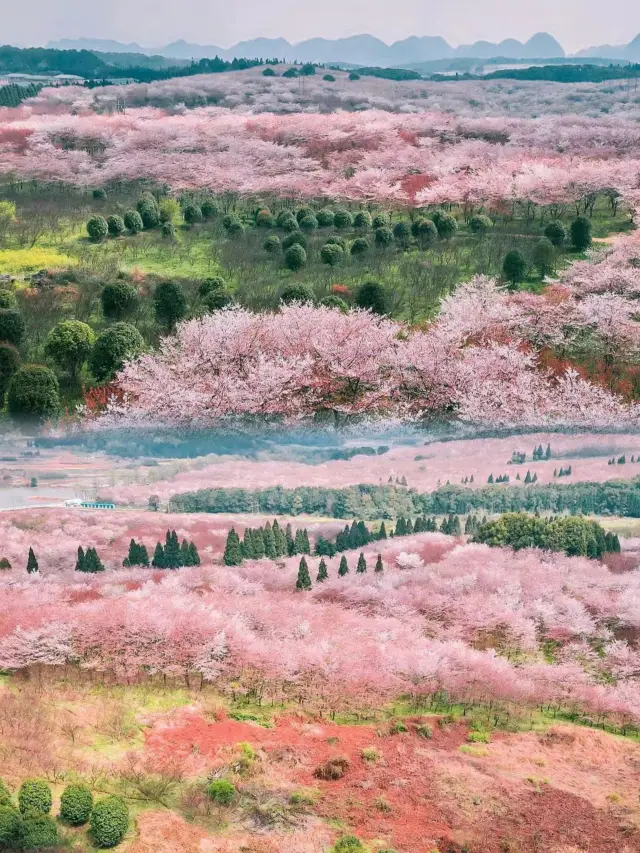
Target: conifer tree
pixel 80 562
pixel 456 530
pixel 344 567
pixel 269 542
pixel 527 479
pixel 32 563
pixel 158 557
pixel 194 557
pixel 291 545
pixel 379 566
pixel 304 579
pixel 409 527
pixel 418 527
pixel 490 479
pixel 246 546
pixel 362 564
pixel 232 555
pixel 280 539
pixel 143 555
pixel 401 527
pixel 92 562
pixel 547 453
pixel 322 572
pixel 382 533
pixel 184 553
pixel 257 539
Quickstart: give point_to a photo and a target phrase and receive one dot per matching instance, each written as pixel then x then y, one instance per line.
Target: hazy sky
pixel 575 23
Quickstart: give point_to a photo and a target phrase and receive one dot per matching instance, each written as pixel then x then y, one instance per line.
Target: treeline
pixel 574 536
pixel 144 74
pixel 566 73
pixel 614 497
pixel 13 95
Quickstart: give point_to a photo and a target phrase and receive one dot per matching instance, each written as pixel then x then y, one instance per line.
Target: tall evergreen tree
pixel 305 541
pixel 401 527
pixel 382 533
pixel 232 555
pixel 32 563
pixel 279 538
pixel 304 579
pixel 322 571
pixel 158 557
pixel 409 527
pixel 246 546
pixel 184 553
pixel 257 538
pixel 362 564
pixel 194 557
pixel 344 567
pixel 379 565
pixel 291 545
pixel 269 542
pixel 92 562
pixel 299 541
pixel 547 453
pixel 80 562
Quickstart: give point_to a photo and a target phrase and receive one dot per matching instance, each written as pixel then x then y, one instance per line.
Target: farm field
pixel 320 465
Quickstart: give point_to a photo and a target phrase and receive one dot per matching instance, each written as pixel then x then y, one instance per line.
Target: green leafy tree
pixel 272 244
pixel 556 233
pixel 7 299
pixel 115 225
pixel 158 557
pixel 544 256
pixel 322 571
pixel 264 218
pixel 308 223
pixel 169 211
pixel 383 237
pixel 117 344
pixel 97 228
pixel 479 225
pixel 329 78
pixel 331 254
pixel 581 233
pixel 232 555
pixel 12 326
pixel 133 222
pixel 446 225
pixel 80 561
pixel 425 231
pixel 402 232
pixel 10 827
pixel 221 791
pixel 38 831
pixel 69 345
pixel 514 267
pixel 360 246
pixel 76 804
pixel 232 224
pixel 119 299
pixel 362 219
pixel 109 822
pixel 9 364
pixel 295 257
pixel 325 217
pixel 332 301
pixel 362 565
pixel 147 207
pixel 192 214
pixel 342 218
pixel 308 70
pixel 354 75
pixel 35 794
pixel 304 579
pixel 294 237
pixel 373 296
pixel 343 568
pixel 170 303
pixel 269 542
pixel 209 209
pixel 297 293
pixel 33 393
pixel 268 72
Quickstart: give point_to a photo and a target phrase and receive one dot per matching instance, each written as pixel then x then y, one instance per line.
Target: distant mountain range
pixel 359 50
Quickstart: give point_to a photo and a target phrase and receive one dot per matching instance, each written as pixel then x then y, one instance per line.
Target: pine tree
pixel 355 538
pixel 490 480
pixel 32 563
pixel 80 562
pixel 379 566
pixel 468 526
pixel 299 541
pixel 184 553
pixel 158 557
pixel 364 532
pixel 362 565
pixel 527 479
pixel 92 562
pixel 130 560
pixel 246 546
pixel 269 542
pixel 172 555
pixel 456 530
pixel 344 567
pixel 291 545
pixel 194 557
pixel 471 480
pixel 322 572
pixel 304 579
pixel 280 539
pixel 382 533
pixel 143 555
pixel 418 527
pixel 409 527
pixel 401 527
pixel 547 453
pixel 257 539
pixel 232 555
pixel 305 541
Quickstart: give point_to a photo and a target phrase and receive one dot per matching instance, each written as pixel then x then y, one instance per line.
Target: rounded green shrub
pixel 118 299
pixel 170 303
pixel 354 75
pixel 295 257
pixel 333 301
pixel 264 218
pixel 308 223
pixel 192 214
pixel 33 393
pixel 272 244
pixel 7 299
pixel 97 228
pixel 329 78
pixel 284 216
pixel 325 217
pixel 446 224
pixel 297 293
pixel 480 224
pixel 147 207
pixel 133 222
pixel 37 830
pixel 360 245
pixel 339 241
pixel 169 231
pixel 581 233
pixel 383 237
pixel 556 233
pixel 381 220
pixel 514 266
pixel 12 326
pixel 216 300
pixel 331 254
pixel 35 794
pixel 115 225
pixel 342 218
pixel 109 822
pixel 10 826
pixel 402 231
pixel 348 844
pixel 69 344
pixel 76 804
pixel 9 363
pixel 372 296
pixel 303 212
pixel 293 238
pixel 209 285
pixel 112 348
pixel 290 72
pixel 5 794
pixel 99 194
pixel 221 791
pixel 232 224
pixel 209 209
pixel 268 72
pixel 362 219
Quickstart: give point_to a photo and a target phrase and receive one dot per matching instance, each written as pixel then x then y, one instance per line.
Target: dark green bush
pixel 192 214
pixel 360 245
pixel 383 237
pixel 402 232
pixel 37 830
pixel 445 223
pixel 581 233
pixel 76 804
pixel 339 241
pixel 293 238
pixel 372 296
pixel 264 218
pixel 118 299
pixel 331 254
pixel 284 216
pixel 221 791
pixel 97 228
pixel 308 223
pixel 170 303
pixel 115 225
pixel 232 224
pixel 10 826
pixel 297 293
pixel 33 393
pixel 354 75
pixel 295 257
pixel 329 78
pixel 342 218
pixel 479 224
pixel 381 220
pixel 109 822
pixel 209 209
pixel 325 217
pixel 556 233
pixel 112 348
pixel 147 207
pixel 334 302
pixel 268 72
pixel 99 194
pixel 169 231
pixel 7 299
pixel 133 222
pixel 514 266
pixel 12 326
pixel 362 219
pixel 5 795
pixel 272 244
pixel 215 282
pixel 69 344
pixel 35 794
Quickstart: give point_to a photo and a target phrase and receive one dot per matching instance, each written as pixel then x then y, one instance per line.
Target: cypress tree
pixel 232 555
pixel 92 562
pixel 418 527
pixel 409 527
pixel 280 539
pixel 184 553
pixel 365 533
pixel 322 572
pixel 344 567
pixel 490 478
pixel 269 542
pixel 246 546
pixel 354 537
pixel 299 542
pixel 401 527
pixel 362 564
pixel 305 541
pixel 455 526
pixel 291 545
pixel 382 533
pixel 527 479
pixel 158 557
pixel 131 558
pixel 32 563
pixel 257 539
pixel 143 556
pixel 304 579
pixel 379 566
pixel 80 562
pixel 547 453
pixel 194 557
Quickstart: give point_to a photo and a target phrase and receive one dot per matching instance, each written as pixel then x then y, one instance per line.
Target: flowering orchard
pixel 440 616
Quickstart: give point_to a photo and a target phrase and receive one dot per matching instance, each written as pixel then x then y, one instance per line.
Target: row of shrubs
pixel 30 825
